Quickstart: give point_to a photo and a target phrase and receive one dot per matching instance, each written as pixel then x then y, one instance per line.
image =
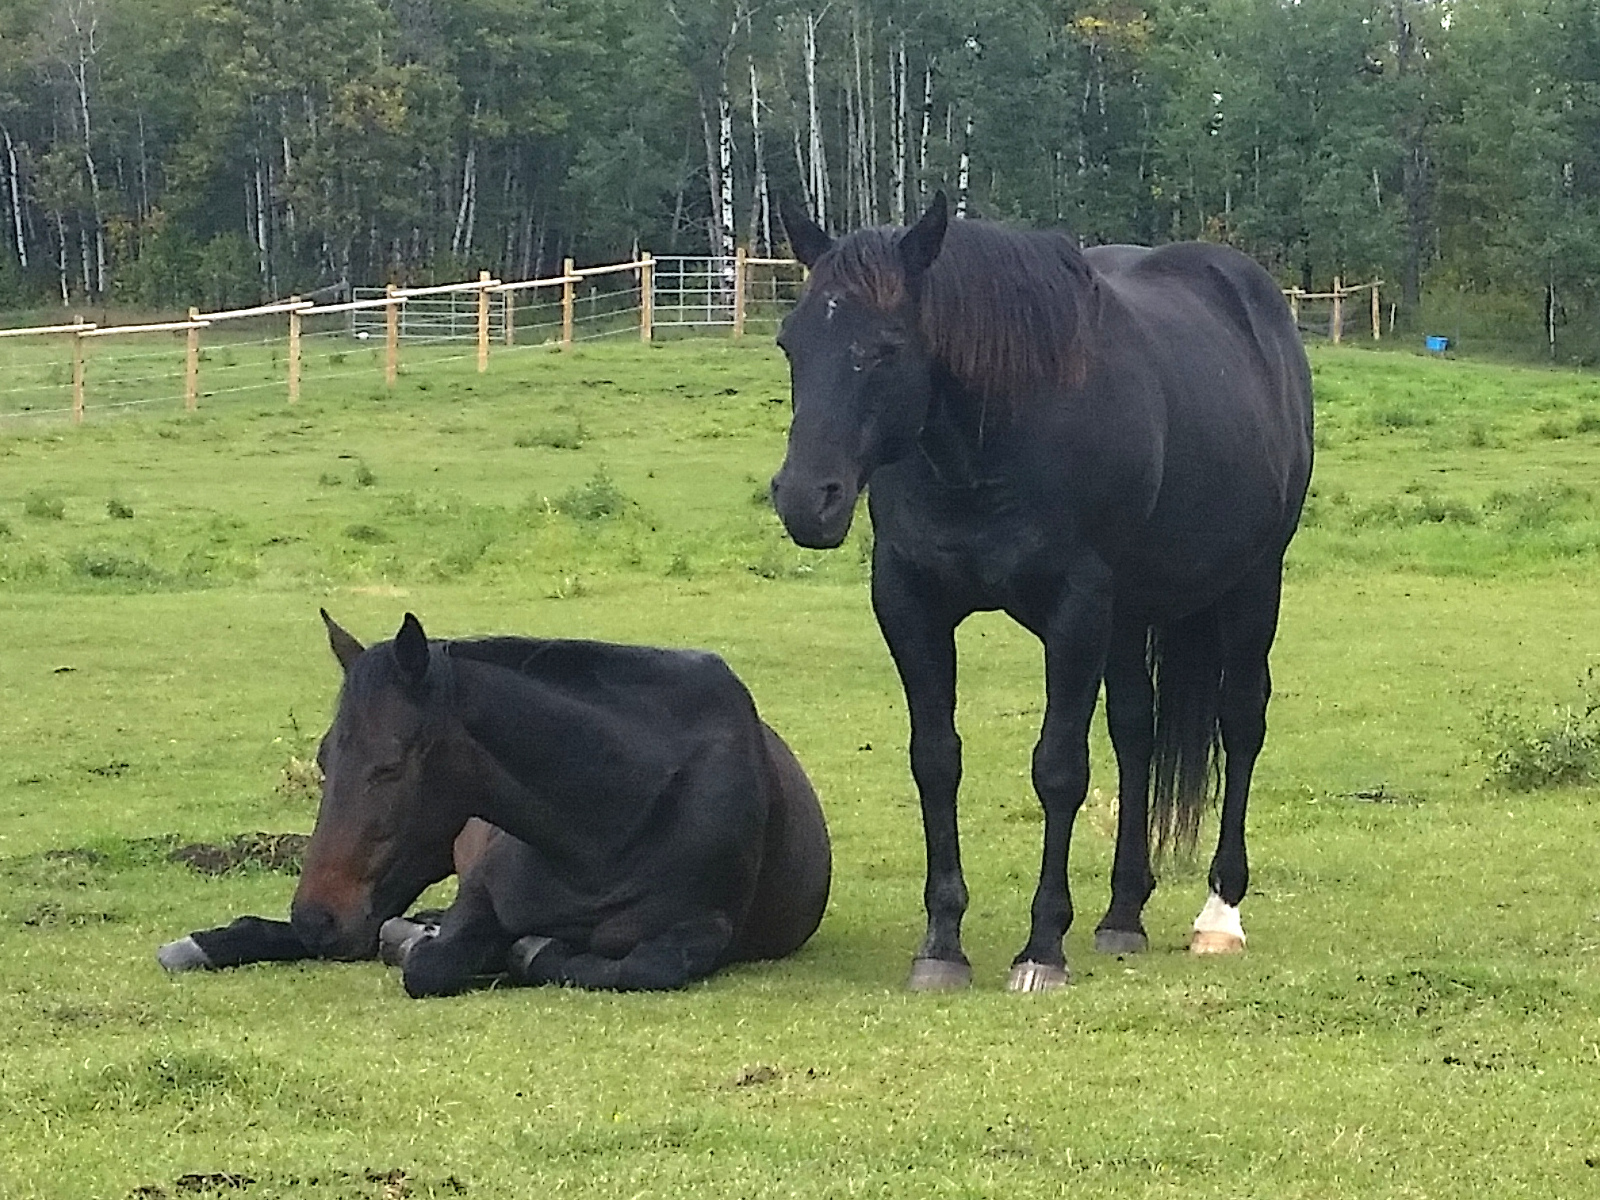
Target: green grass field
pixel 1416 1015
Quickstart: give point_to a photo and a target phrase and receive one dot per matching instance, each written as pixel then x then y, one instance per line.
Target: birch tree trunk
pixel 819 164
pixel 922 144
pixel 465 210
pixel 761 210
pixel 14 178
pixel 713 180
pixel 898 128
pixel 83 20
pixel 964 170
pixel 725 211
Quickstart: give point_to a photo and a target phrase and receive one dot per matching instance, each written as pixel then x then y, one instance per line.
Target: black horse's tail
pixel 1185 770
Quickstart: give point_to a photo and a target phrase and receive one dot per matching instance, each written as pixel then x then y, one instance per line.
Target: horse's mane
pixel 512 653
pixel 1003 310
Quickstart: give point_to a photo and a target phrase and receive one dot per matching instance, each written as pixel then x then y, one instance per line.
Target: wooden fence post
pixel 391 349
pixel 647 296
pixel 77 373
pixel 508 316
pixel 738 292
pixel 567 294
pixel 1336 325
pixel 294 351
pixel 191 364
pixel 1294 305
pixel 483 321
pixel 1377 317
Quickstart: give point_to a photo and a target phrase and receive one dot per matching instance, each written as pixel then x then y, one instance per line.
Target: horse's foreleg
pixel 1247 623
pixel 678 956
pixel 469 948
pixel 1130 718
pixel 246 940
pixel 1075 640
pixel 921 640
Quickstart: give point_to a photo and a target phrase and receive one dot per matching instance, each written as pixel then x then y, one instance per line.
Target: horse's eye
pixel 385 772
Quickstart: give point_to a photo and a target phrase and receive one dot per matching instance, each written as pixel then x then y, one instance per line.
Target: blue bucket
pixel 1436 344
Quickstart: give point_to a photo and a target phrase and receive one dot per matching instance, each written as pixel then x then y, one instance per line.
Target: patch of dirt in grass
pixel 268 851
pixel 394 1184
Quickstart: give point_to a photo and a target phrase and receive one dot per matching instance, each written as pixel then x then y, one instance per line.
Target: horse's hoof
pixel 183 955
pixel 397 935
pixel 1120 941
pixel 1208 941
pixel 524 961
pixel 938 975
pixel 1037 977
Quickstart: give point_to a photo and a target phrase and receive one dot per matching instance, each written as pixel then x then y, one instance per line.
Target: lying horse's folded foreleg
pixel 246 940
pixel 672 959
pixel 468 949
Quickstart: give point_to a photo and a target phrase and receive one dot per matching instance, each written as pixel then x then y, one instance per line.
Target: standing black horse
pixel 636 824
pixel 1110 445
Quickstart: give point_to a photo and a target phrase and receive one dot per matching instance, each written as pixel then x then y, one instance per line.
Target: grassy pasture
pixel 1415 1016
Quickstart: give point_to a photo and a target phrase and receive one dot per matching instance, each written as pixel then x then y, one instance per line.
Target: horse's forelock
pixel 1005 311
pixel 864 265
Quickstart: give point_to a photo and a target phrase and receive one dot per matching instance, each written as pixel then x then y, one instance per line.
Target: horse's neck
pixel 546 762
pixel 955 436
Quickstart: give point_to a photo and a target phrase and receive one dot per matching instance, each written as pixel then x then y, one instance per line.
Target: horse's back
pixel 791 889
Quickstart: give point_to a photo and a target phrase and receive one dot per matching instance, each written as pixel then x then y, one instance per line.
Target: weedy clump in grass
pixel 1588 423
pixel 329 479
pixel 364 477
pixel 1559 746
pixel 300 781
pixel 1552 429
pixel 1399 417
pixel 44 506
pixel 369 534
pixel 597 499
pixel 5 529
pixel 1536 507
pixel 1419 508
pixel 108 565
pixel 553 437
pixel 118 511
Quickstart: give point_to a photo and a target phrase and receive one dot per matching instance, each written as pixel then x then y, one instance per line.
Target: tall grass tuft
pixel 596 499
pixel 44 506
pixel 1558 747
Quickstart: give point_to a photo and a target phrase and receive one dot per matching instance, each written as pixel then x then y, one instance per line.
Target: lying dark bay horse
pixel 619 815
pixel 1113 447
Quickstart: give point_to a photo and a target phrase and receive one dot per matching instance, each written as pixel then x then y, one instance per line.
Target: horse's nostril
pixel 314 923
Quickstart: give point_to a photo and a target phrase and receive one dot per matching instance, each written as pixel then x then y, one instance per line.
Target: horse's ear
pixel 411 649
pixel 345 648
pixel 921 243
pixel 806 237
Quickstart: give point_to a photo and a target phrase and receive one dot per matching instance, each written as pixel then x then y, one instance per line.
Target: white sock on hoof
pixel 1218 916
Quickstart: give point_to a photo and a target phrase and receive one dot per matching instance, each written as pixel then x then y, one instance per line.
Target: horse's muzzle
pixel 817 516
pixel 329 936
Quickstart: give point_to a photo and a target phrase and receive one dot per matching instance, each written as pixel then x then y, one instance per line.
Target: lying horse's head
pixel 385 826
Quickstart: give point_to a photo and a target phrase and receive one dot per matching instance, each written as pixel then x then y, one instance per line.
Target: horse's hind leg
pixel 1247 621
pixel 1130 717
pixel 678 956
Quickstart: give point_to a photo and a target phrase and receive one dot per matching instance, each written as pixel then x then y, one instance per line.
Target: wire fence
pixel 70 371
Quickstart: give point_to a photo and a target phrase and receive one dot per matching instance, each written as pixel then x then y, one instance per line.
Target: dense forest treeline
pixel 166 151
